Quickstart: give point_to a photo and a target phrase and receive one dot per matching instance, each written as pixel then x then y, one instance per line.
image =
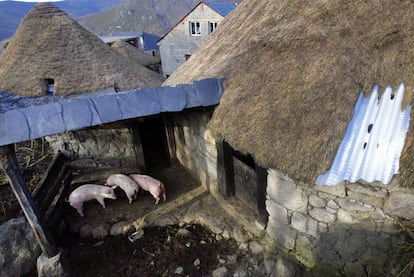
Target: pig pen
pixel 191 234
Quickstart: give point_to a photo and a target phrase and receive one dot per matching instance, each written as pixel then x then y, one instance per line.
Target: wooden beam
pixel 9 164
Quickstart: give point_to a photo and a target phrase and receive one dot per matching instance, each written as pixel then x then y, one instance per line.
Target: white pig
pixel 154 186
pixel 89 192
pixel 128 185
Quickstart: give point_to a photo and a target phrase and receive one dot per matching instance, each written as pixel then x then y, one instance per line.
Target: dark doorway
pixel 245 180
pixel 154 143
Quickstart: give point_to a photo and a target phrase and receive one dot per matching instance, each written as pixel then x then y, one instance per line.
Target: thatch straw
pixel 133 54
pixel 294 70
pixel 50 45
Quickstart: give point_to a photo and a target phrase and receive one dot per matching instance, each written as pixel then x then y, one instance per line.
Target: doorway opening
pixel 244 180
pixel 154 143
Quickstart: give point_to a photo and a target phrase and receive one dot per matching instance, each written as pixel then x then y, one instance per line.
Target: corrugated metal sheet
pixel 372 145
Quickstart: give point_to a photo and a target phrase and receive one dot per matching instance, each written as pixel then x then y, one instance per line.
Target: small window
pixel 195 29
pixel 187 56
pixel 50 85
pixel 211 26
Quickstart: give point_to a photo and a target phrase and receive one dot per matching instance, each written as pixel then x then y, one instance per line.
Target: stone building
pixel 51 54
pixel 293 73
pixel 177 45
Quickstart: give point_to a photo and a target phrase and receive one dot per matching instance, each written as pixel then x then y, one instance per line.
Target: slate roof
pixel 150 40
pixel 26 118
pixel 223 8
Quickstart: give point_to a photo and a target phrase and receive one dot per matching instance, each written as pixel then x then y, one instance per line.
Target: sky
pixel 35 1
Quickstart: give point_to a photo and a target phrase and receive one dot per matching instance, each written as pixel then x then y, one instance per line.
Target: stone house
pixel 144 41
pixel 178 44
pixel 292 80
pixel 66 59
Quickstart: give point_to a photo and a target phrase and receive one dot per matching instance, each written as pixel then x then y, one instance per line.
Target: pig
pixel 154 186
pixel 129 186
pixel 89 192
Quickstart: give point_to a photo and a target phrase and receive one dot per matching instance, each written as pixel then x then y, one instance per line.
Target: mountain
pixel 152 16
pixel 12 12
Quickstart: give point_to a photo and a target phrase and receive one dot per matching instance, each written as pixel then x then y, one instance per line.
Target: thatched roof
pixel 133 54
pixel 294 70
pixel 50 45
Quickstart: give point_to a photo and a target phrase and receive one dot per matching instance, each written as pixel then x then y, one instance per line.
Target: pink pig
pixel 154 186
pixel 89 192
pixel 128 185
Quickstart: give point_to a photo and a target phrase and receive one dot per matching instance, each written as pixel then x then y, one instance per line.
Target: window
pixel 195 29
pixel 211 26
pixel 50 86
pixel 187 56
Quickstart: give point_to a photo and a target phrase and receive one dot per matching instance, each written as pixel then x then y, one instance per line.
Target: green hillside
pixel 152 16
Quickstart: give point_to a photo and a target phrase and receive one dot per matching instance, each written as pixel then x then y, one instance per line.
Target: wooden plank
pixel 9 164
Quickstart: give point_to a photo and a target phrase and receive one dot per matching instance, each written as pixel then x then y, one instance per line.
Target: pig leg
pixel 79 208
pixel 101 201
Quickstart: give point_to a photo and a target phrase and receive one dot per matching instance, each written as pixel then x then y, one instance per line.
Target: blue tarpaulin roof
pixel 26 118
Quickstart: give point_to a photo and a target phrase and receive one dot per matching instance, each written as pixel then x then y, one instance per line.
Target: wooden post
pixel 9 164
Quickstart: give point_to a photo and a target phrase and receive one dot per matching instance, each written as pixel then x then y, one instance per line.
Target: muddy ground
pixel 173 243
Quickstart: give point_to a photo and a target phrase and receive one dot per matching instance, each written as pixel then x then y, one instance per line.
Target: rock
pixel 48 267
pixel 316 201
pixel 345 217
pixel 332 204
pixel 220 272
pixel 184 233
pixel 305 224
pixel 354 269
pixel 400 204
pixel 285 192
pixel 322 215
pixel 232 259
pixel 240 235
pixel 304 251
pixel 269 265
pixel 85 231
pixel 282 234
pixel 277 211
pixel 121 228
pixel 354 206
pixel 240 273
pixel 255 247
pixel 284 268
pixel 197 262
pixel 18 248
pixel 179 270
pixel 100 231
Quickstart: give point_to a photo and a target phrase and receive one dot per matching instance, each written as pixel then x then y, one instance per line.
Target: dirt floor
pixel 190 250
pixel 188 235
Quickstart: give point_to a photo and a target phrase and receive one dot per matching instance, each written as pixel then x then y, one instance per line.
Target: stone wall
pixel 196 147
pixel 105 147
pixel 346 228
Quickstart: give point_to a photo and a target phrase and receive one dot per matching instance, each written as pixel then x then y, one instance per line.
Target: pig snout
pixel 128 185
